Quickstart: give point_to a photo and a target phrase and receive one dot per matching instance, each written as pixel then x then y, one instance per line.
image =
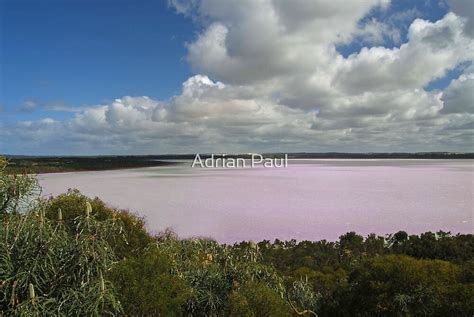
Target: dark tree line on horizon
pixel 54 164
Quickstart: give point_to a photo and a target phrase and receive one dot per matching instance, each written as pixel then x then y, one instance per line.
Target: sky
pixel 89 77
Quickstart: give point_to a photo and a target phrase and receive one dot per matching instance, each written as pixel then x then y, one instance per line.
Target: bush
pixel 401 285
pixel 257 299
pixel 135 234
pixel 147 288
pixel 44 270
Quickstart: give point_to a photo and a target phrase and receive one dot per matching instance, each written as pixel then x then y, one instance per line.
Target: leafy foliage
pixel 394 285
pixel 46 270
pixel 146 286
pixel 398 275
pixel 135 238
pixel 213 271
pixel 257 299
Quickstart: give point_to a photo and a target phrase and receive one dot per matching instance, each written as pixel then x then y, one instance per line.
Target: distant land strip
pixel 58 164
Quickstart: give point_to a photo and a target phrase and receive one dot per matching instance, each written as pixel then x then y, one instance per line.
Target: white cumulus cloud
pixel 269 77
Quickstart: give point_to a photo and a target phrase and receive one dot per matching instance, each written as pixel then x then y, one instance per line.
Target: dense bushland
pixel 71 255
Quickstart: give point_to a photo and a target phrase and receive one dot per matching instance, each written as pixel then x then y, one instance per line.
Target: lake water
pixel 311 199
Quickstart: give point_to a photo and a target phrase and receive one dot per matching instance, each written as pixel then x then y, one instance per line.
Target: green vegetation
pixel 399 275
pixel 44 268
pixel 72 255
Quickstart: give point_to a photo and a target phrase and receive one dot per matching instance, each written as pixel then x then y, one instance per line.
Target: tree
pixel 350 246
pixel 397 285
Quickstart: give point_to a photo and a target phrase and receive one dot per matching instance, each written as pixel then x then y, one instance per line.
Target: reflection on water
pixel 311 199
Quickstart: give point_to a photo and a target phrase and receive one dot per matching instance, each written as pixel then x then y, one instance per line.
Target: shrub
pixel 257 299
pixel 146 287
pixel 135 234
pixel 401 285
pixel 44 270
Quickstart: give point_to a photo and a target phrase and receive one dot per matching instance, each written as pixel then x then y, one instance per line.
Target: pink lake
pixel 311 199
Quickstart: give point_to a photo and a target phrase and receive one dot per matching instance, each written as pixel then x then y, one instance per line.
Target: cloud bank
pixel 269 77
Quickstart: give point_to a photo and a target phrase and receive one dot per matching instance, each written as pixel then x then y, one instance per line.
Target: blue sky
pixel 89 52
pixel 400 13
pixel 59 57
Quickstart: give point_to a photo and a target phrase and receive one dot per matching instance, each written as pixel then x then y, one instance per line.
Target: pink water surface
pixel 311 199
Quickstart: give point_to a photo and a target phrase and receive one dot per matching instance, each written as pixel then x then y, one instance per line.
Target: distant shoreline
pixel 48 165
pixel 64 164
pixel 291 155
